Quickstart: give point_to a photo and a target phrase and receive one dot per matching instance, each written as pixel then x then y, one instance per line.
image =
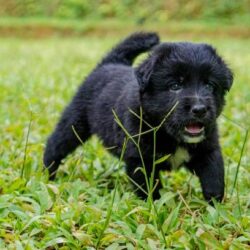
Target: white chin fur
pixel 191 139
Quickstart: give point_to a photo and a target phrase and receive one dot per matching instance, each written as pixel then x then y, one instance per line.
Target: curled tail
pixel 128 49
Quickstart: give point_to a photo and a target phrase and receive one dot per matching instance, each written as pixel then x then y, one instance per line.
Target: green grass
pixel 91 203
pixel 47 27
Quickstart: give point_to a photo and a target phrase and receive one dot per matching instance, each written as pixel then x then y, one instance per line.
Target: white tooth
pixel 202 128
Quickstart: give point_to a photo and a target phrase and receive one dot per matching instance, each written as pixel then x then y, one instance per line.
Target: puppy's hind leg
pixel 64 139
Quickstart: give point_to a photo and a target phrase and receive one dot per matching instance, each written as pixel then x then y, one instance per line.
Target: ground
pixel 91 205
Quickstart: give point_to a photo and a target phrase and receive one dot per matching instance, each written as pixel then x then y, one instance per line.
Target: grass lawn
pixel 91 204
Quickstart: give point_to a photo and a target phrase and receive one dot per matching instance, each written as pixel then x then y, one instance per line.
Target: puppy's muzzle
pixel 197 112
pixel 195 107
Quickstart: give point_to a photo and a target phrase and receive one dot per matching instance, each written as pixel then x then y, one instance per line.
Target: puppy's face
pixel 192 77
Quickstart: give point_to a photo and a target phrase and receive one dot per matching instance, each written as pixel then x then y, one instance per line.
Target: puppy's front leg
pixel 209 167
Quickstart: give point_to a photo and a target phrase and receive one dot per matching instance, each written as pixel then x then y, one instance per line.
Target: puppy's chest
pixel 179 158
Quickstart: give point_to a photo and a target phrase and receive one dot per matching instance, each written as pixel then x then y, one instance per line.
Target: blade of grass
pixel 166 116
pixel 112 200
pixel 26 145
pixel 239 162
pixel 140 117
pixel 135 143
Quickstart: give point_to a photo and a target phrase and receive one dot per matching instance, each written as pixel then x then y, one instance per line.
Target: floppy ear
pixel 225 69
pixel 144 72
pixel 230 79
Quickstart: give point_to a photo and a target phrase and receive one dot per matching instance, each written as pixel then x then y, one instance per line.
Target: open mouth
pixel 194 129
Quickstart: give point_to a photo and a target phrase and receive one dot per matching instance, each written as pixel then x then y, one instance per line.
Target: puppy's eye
pixel 175 87
pixel 210 86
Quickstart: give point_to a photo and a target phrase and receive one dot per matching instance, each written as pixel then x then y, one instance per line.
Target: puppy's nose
pixel 199 110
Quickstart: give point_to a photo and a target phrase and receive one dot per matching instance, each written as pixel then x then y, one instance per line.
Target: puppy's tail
pixel 128 49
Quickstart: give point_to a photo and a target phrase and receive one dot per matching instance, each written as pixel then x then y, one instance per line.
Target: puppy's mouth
pixel 194 132
pixel 194 129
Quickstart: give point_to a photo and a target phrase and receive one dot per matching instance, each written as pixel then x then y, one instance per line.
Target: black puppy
pixel 190 77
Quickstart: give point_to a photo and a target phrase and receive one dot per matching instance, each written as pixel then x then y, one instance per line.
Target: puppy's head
pixel 192 75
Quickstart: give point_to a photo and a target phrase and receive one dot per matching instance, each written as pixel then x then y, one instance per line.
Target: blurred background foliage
pixel 138 11
pixel 37 79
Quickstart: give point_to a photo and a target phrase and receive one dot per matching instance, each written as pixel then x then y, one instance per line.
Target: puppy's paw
pixel 51 164
pixel 209 196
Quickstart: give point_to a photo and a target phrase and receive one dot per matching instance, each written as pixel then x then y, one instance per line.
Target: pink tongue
pixel 194 128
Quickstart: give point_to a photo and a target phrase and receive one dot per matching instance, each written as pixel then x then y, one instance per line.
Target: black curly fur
pixel 191 74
